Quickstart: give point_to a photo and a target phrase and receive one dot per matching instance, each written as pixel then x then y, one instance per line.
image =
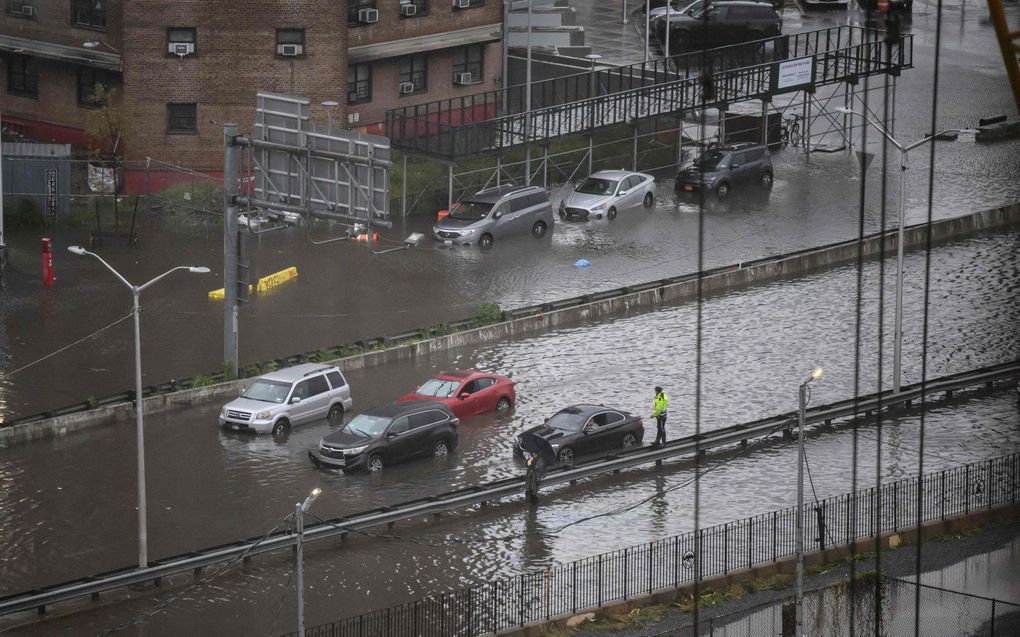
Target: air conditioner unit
pixel 27 10
pixel 462 78
pixel 181 48
pixel 290 50
pixel 368 16
pixel 461 4
pixel 408 10
pixel 406 88
pixel 352 118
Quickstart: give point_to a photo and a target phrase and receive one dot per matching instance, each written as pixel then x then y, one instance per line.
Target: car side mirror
pixel 497 215
pixel 295 400
pixel 734 166
pixel 622 193
pixel 463 395
pixel 547 420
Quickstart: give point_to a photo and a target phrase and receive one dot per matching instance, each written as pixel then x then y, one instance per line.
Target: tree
pixel 107 124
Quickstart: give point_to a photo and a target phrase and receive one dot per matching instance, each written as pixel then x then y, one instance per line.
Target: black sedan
pixel 584 429
pixel 386 435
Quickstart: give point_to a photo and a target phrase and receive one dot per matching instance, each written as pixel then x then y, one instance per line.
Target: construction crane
pixel 1009 46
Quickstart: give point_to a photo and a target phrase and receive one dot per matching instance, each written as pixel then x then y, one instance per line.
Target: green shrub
pixel 228 371
pixel 26 215
pixel 489 313
pixel 92 402
pixel 202 380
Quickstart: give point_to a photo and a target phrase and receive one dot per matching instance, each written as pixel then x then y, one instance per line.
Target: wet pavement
pixel 236 486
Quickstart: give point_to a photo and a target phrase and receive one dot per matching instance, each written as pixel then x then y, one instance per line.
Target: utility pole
pixel 527 108
pixel 230 245
pixel 3 244
pixel 799 603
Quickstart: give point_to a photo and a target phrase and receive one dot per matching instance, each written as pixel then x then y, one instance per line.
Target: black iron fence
pixel 668 563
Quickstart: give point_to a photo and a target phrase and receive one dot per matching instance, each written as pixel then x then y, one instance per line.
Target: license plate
pixel 448 242
pixel 689 188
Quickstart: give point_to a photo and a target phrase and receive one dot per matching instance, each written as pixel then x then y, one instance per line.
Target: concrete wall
pixel 645 297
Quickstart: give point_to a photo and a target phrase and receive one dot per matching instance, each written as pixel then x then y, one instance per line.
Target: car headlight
pixel 600 206
pixel 555 445
pixel 262 414
pixel 468 231
pixel 353 451
pixel 223 412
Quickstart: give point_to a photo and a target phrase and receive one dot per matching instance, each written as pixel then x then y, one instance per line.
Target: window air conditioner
pixel 462 78
pixel 290 50
pixel 368 16
pixel 408 10
pixel 352 118
pixel 461 4
pixel 181 48
pixel 406 88
pixel 27 10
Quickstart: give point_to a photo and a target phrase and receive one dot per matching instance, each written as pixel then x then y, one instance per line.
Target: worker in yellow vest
pixel 659 413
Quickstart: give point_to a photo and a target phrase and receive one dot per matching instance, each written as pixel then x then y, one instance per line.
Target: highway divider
pixel 493 324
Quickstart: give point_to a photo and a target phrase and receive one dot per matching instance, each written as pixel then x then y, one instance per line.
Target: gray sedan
pixel 606 193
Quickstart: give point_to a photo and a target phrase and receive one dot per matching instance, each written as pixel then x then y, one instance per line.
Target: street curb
pixel 640 298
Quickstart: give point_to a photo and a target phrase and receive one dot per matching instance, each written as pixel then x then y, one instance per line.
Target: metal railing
pixel 668 563
pixel 508 487
pixel 584 102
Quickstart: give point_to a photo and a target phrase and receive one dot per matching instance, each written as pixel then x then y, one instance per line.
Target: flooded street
pixel 757 344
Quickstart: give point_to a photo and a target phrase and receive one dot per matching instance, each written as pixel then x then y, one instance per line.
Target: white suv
pixel 291 396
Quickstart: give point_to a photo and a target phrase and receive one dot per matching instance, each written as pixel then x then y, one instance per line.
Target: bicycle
pixel 789 131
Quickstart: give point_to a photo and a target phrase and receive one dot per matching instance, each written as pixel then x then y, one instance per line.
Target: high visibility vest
pixel 661 401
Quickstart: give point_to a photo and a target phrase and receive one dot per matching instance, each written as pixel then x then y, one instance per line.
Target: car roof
pixel 612 174
pixel 457 373
pixel 738 146
pixel 297 372
pixel 492 195
pixel 588 410
pixel 402 408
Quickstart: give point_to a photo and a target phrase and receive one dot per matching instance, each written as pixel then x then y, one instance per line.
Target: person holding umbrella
pixel 540 456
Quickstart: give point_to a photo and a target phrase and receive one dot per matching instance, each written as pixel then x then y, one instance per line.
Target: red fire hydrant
pixel 47 263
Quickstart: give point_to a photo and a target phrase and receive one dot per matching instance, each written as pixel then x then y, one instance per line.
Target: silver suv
pixel 721 168
pixel 291 396
pixel 495 213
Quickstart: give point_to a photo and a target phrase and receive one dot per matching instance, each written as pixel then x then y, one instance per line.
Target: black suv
pixel 387 435
pixel 724 23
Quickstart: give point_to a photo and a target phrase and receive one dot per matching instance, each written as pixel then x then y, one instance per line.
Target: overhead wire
pixel 67 347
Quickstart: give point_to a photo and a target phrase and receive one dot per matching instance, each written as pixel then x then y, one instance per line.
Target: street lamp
pixel 329 105
pixel 593 58
pixel 816 373
pixel 904 149
pixel 143 548
pixel 95 44
pixel 299 523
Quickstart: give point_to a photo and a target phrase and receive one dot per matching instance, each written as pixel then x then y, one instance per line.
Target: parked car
pixel 657 17
pixel 583 429
pixel 276 401
pixel 496 213
pixel 724 23
pixel 721 168
pixel 606 193
pixel 468 392
pixel 387 435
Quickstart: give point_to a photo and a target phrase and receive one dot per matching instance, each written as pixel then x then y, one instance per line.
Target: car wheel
pixel 611 214
pixel 336 414
pixel 281 428
pixel 563 214
pixel 649 200
pixel 375 462
pixel 485 242
pixel 723 190
pixel 441 449
pixel 566 455
pixel 503 405
pixel 766 179
pixel 538 230
pixel 629 441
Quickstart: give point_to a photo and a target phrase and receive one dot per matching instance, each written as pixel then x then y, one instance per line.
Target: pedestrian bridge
pixel 496 121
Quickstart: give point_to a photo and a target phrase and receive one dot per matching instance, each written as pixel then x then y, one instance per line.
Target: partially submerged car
pixel 496 213
pixel 607 192
pixel 468 392
pixel 584 429
pixel 276 401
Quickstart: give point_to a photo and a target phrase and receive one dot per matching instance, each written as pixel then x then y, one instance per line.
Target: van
pixel 496 213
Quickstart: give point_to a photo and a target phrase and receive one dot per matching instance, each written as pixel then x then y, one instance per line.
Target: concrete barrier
pixel 644 297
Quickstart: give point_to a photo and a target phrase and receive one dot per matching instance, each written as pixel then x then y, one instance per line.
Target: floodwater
pixel 233 486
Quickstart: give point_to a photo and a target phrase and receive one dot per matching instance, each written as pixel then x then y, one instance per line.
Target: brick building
pixel 184 67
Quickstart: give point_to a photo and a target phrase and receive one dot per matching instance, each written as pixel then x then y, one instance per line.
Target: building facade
pixel 183 68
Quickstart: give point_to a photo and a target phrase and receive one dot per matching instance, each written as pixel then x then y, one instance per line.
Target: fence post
pixel 775 516
pixel 896 505
pixel 495 605
pixel 676 561
pixel 520 601
pixel 726 548
pixel 966 489
pixel 599 580
pixel 573 593
pixel 651 548
pixel 942 493
pixel 626 572
pixel 992 627
pixel 988 484
pixel 750 542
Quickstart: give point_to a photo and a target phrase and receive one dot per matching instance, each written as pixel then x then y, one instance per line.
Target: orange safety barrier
pixel 883 5
pixel 364 237
pixel 441 214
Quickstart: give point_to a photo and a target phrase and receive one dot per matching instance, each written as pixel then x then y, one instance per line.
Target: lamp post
pixel 816 373
pixel 95 44
pixel 299 523
pixel 329 105
pixel 904 149
pixel 593 58
pixel 143 547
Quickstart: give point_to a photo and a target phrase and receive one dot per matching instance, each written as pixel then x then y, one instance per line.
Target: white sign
pixel 795 73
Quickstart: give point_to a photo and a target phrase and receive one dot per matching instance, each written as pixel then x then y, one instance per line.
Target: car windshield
pixel 710 160
pixel 596 186
pixel 566 420
pixel 438 387
pixel 366 425
pixel 270 391
pixel 470 210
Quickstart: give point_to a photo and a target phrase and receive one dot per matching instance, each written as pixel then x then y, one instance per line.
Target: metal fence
pixel 668 563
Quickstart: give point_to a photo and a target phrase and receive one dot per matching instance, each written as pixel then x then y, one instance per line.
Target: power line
pixel 66 347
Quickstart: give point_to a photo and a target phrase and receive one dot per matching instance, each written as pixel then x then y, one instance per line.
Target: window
pixel 419 8
pixel 399 426
pixel 89 13
pixel 359 83
pixel 302 390
pixel 466 4
pixel 317 385
pixel 468 59
pixel 516 205
pixel 290 42
pixel 181 35
pixel 538 198
pixel 181 118
pixel 469 387
pixel 485 383
pixel 335 379
pixel 88 80
pixel 414 69
pixel 353 9
pixel 21 8
pixel 427 418
pixel 22 76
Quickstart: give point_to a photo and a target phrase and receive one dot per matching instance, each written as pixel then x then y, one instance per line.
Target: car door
pixel 398 440
pixel 422 432
pixel 341 390
pixel 300 410
pixel 503 221
pixel 467 399
pixel 590 439
pixel 485 395
pixel 318 397
pixel 606 427
pixel 635 193
pixel 613 430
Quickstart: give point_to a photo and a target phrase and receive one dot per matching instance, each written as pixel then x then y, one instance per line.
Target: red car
pixel 468 393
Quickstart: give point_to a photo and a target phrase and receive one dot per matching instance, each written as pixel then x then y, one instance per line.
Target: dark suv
pixel 387 435
pixel 724 23
pixel 720 168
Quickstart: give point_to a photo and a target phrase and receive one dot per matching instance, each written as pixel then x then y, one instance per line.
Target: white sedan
pixel 606 193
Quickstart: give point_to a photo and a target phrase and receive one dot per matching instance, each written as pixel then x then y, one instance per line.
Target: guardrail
pixel 469 496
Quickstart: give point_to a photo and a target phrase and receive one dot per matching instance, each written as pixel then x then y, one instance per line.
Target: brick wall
pixel 52 23
pixel 441 18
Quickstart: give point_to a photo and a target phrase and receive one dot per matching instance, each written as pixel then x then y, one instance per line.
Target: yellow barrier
pixel 265 284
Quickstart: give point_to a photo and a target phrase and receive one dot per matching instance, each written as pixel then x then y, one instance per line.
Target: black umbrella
pixel 539 447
